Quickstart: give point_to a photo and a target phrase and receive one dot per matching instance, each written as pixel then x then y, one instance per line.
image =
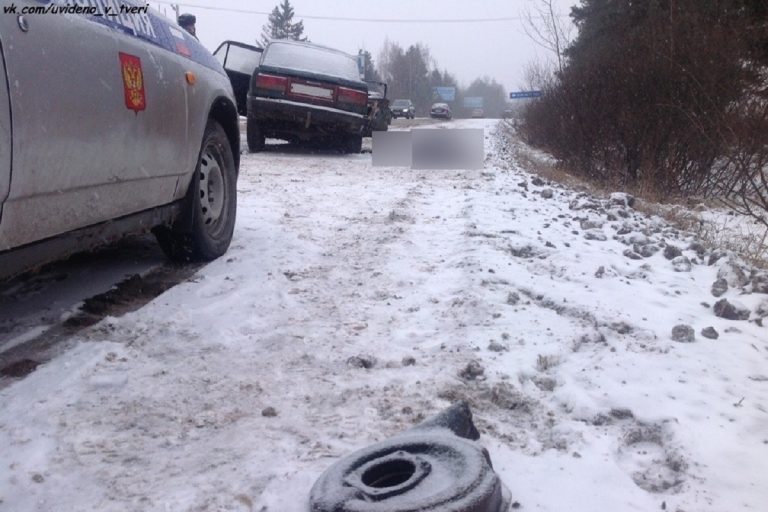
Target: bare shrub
pixel 544 363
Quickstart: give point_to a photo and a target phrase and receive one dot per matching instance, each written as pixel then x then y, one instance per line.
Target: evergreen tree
pixel 416 76
pixel 369 70
pixel 281 25
pixel 412 73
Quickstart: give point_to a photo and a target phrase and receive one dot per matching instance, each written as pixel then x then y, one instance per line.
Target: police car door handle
pixel 23 23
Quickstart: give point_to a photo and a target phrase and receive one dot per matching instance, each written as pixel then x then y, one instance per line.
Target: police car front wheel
pixel 205 230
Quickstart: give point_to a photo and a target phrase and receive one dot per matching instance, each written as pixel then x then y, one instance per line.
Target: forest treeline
pixel 668 97
pixel 410 73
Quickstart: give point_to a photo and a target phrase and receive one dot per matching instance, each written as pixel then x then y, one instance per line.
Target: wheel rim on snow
pixel 212 189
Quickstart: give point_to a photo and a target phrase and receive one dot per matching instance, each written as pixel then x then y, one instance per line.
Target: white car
pixel 111 125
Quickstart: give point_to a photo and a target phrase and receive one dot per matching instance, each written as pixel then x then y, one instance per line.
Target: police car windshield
pixel 311 59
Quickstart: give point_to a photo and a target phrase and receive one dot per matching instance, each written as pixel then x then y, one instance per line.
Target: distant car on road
pixel 112 125
pixel 440 110
pixel 403 108
pixel 306 92
pixel 478 112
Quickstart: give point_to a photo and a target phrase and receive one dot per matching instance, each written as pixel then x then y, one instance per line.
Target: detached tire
pixel 204 231
pixel 255 136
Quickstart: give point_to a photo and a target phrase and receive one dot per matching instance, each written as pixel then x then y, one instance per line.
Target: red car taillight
pixel 272 83
pixel 353 96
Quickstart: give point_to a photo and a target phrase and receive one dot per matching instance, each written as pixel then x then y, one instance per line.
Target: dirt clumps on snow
pixel 363 361
pixel 472 371
pixel 652 464
pixel 719 287
pixel 647 250
pixel 525 251
pixel 544 363
pixel 733 273
pixel 595 234
pixel 495 346
pixel 590 224
pixel 584 202
pixel 622 199
pixel 482 396
pixel 731 310
pixel 504 396
pixel 762 309
pixel 629 253
pixel 622 413
pixel 683 333
pixel 544 383
pixel 620 327
pixel 671 252
pixel 760 282
pixel 682 264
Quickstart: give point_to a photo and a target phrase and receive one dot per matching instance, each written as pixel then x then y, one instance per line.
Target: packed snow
pixel 357 301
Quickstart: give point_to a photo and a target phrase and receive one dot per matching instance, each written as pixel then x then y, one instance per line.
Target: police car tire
pixel 204 238
pixel 255 136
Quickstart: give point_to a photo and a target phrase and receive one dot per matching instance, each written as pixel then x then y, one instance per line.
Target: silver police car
pixel 113 120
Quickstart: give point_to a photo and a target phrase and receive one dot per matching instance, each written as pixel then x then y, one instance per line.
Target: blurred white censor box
pixel 460 148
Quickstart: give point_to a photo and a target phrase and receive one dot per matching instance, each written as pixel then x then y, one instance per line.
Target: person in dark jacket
pixel 187 22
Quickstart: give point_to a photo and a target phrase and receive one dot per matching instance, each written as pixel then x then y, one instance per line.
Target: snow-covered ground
pixel 31 305
pixel 348 309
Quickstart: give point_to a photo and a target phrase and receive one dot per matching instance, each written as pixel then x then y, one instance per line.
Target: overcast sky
pixel 498 49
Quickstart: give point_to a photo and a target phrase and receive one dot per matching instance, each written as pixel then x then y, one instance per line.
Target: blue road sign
pixel 444 93
pixel 524 94
pixel 473 102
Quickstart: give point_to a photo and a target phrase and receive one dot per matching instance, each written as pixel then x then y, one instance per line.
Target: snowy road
pixel 349 307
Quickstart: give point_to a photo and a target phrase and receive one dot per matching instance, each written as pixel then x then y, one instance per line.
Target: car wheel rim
pixel 212 188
